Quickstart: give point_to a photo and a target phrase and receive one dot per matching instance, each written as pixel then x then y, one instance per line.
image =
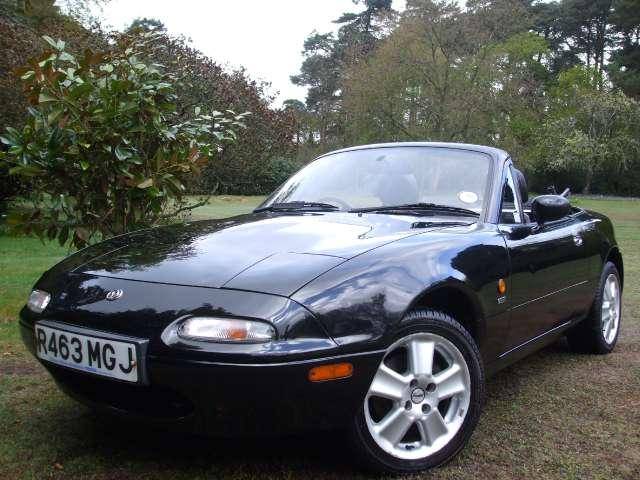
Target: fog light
pixel 38 301
pixel 230 330
pixel 333 371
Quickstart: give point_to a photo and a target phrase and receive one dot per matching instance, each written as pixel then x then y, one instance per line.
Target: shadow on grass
pixel 321 452
pixel 113 443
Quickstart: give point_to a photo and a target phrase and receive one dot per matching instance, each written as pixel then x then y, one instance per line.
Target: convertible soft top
pixel 495 153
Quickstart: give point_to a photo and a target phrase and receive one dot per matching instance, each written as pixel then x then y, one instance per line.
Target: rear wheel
pixel 598 333
pixel 425 399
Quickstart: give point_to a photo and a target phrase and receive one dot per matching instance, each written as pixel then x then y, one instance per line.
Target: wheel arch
pixel 456 300
pixel 614 256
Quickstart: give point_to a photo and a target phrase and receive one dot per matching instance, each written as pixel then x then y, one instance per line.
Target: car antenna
pixel 566 193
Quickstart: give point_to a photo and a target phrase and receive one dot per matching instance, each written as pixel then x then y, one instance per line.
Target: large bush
pixel 244 166
pixel 21 26
pixel 240 167
pixel 238 181
pixel 104 145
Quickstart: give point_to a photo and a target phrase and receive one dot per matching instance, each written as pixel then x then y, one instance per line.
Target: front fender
pixel 604 246
pixel 362 301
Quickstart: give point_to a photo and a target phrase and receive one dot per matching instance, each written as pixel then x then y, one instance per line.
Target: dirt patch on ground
pixel 19 367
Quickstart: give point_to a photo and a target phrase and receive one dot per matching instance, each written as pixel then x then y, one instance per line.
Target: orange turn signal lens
pixel 502 286
pixel 333 371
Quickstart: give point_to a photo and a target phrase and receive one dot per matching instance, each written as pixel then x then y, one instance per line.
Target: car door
pixel 549 269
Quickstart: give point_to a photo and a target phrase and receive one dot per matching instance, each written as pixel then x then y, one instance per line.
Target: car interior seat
pixel 521 185
pixel 398 189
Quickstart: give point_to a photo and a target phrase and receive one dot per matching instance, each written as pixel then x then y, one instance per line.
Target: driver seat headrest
pixel 521 185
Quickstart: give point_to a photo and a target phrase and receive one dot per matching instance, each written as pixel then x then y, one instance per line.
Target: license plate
pixel 89 352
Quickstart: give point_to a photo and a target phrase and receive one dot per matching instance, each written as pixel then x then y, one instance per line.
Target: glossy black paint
pixel 235 253
pixel 335 285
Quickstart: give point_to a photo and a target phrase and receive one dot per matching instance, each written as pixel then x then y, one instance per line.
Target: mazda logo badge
pixel 114 295
pixel 417 395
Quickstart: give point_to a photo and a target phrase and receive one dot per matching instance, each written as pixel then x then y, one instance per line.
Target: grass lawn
pixel 553 415
pixel 226 206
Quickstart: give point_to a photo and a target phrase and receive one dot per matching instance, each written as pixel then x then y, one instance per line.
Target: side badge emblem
pixel 114 295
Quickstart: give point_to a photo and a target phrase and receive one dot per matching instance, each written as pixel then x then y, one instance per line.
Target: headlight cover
pixel 38 301
pixel 226 330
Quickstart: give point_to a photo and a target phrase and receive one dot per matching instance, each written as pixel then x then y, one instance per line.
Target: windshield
pixel 390 176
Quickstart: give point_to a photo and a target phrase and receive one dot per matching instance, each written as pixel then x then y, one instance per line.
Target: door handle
pixel 577 239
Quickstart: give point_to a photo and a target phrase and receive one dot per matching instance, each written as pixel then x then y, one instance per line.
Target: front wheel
pixel 425 399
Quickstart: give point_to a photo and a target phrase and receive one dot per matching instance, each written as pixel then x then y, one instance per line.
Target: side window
pixel 509 208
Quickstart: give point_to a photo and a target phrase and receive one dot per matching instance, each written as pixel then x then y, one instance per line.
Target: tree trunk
pixel 587 182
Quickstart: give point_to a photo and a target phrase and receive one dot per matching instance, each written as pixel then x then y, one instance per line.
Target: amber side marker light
pixel 333 371
pixel 502 286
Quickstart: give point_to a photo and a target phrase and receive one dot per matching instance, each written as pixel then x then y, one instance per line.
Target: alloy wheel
pixel 419 397
pixel 610 310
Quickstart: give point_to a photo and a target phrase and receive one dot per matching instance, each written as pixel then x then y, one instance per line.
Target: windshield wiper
pixel 414 207
pixel 298 205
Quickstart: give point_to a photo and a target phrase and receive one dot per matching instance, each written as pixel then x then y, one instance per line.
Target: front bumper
pixel 220 398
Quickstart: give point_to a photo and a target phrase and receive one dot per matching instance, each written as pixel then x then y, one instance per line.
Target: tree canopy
pixel 555 83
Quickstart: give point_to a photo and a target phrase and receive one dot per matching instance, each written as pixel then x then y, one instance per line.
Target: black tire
pixel 371 455
pixel 587 336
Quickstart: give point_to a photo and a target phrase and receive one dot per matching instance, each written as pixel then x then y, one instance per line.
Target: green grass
pixel 226 206
pixel 553 415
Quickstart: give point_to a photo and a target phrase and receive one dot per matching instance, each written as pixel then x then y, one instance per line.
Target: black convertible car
pixel 374 290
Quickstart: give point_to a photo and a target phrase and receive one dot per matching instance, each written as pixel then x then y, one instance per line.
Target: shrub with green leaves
pixel 104 146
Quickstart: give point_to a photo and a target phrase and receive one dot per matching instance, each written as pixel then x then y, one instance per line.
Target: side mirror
pixel 517 231
pixel 547 208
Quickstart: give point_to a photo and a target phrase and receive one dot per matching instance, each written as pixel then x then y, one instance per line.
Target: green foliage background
pixel 555 83
pixel 253 163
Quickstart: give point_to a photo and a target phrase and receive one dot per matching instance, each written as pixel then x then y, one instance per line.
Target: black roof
pixel 495 153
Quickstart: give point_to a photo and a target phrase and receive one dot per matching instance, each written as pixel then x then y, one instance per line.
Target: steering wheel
pixel 337 202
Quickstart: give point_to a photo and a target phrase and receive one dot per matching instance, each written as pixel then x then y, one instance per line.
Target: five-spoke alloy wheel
pixel 425 398
pixel 414 412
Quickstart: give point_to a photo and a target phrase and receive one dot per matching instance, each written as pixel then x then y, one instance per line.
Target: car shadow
pixel 323 453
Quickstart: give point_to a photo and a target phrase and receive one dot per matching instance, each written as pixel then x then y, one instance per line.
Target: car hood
pixel 267 252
